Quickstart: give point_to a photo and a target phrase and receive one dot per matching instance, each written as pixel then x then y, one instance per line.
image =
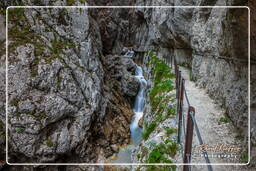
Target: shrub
pixel 148 130
pixel 157 155
pixel 160 152
pixel 171 112
pixel 170 131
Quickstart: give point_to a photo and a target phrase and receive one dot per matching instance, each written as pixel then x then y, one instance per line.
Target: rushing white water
pixel 124 155
pixel 138 107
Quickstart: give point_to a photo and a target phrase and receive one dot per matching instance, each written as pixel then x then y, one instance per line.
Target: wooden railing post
pixel 189 138
pixel 180 107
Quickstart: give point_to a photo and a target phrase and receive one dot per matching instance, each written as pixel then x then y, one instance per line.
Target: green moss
pixel 57 49
pixel 70 2
pixel 149 128
pixel 42 116
pixel 244 157
pixel 15 14
pixel 224 119
pixel 20 130
pixel 49 142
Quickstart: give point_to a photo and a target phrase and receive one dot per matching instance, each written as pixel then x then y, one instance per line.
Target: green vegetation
pixel 161 87
pixel 162 84
pixel 49 142
pixel 20 33
pixel 149 128
pixel 20 130
pixel 160 154
pixel 138 156
pixel 171 112
pixel 82 1
pixel 70 2
pixel 159 98
pixel 157 155
pixel 170 131
pixel 244 157
pixel 224 119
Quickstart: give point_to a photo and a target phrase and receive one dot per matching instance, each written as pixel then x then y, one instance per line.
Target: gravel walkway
pixel 213 131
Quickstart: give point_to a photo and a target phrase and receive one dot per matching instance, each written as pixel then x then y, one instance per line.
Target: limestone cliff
pixel 209 41
pixel 66 101
pixel 70 95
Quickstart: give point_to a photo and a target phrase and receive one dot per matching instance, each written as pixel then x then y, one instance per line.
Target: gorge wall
pixel 209 42
pixel 67 102
pixel 81 92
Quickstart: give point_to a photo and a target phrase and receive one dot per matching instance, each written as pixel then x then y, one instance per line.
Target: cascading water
pixel 124 155
pixel 138 107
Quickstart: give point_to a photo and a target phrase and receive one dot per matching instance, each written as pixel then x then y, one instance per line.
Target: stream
pixel 124 155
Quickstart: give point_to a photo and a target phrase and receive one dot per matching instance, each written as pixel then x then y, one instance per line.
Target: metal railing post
pixel 189 138
pixel 180 107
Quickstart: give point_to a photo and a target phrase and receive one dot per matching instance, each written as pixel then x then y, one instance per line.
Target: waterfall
pixel 124 155
pixel 138 107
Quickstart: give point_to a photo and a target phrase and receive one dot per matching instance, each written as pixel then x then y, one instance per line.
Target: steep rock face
pixel 120 87
pixel 55 82
pixel 173 33
pixel 165 29
pixel 115 28
pixel 2 88
pixel 220 61
pixel 64 95
pixel 211 41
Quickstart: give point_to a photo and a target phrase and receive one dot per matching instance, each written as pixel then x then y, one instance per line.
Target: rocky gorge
pixel 71 92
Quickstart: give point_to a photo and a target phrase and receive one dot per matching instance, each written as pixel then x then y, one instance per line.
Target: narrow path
pixel 213 131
